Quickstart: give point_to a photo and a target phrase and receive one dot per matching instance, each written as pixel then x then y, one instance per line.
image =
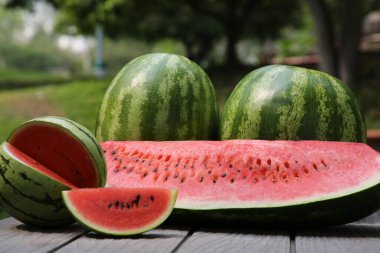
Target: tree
pixel 338 36
pixel 198 24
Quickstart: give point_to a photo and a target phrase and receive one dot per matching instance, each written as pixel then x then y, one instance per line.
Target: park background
pixel 57 57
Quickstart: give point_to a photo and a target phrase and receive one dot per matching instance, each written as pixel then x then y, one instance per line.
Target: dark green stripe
pixel 47 200
pixel 310 120
pixel 150 107
pixel 9 205
pixel 269 113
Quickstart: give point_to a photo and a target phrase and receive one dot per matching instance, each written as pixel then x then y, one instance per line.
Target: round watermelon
pixel 292 103
pixel 159 97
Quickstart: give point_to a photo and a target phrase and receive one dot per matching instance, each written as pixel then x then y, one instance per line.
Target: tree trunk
pixel 325 36
pixel 350 38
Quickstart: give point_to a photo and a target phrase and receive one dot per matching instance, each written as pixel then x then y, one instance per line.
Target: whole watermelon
pixel 292 103
pixel 159 97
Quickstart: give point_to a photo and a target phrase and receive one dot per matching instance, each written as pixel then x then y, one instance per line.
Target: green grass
pixel 20 78
pixel 77 100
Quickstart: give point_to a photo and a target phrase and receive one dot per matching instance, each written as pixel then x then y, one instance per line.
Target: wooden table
pixel 362 237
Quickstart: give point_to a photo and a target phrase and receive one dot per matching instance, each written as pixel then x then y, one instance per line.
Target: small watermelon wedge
pixel 120 211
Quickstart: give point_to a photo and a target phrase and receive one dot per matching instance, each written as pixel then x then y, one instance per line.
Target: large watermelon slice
pixel 120 211
pixel 296 182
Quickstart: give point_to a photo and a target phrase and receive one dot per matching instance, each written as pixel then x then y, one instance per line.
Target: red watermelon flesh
pixel 244 173
pixel 56 150
pixel 24 158
pixel 120 211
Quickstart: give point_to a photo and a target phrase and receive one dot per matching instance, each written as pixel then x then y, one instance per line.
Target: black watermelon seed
pixel 116 170
pixel 152 198
pixel 224 174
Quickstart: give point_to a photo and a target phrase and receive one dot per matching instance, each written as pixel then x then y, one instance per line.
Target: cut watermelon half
pixel 120 211
pixel 296 182
pixel 42 157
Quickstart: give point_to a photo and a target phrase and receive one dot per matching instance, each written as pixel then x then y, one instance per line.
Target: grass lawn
pixel 77 100
pixel 12 77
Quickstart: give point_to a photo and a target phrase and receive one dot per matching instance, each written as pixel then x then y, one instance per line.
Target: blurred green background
pixel 57 57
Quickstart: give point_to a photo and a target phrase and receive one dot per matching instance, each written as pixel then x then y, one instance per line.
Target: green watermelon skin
pixel 279 102
pixel 159 97
pixel 30 196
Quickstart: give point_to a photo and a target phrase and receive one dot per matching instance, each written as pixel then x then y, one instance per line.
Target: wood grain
pixel 236 241
pixel 352 238
pixel 157 240
pixel 17 237
pixel 6 222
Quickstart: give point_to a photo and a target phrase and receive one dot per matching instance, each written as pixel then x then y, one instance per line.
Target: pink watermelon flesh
pixel 244 173
pixel 120 211
pixel 57 151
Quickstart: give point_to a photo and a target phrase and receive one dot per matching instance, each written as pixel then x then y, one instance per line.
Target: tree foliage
pixel 197 24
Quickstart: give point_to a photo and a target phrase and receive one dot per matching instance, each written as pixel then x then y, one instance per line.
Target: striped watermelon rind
pixel 292 103
pixel 159 97
pixel 30 196
pixel 33 197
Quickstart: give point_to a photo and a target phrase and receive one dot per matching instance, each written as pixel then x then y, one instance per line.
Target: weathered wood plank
pixel 241 241
pixel 352 238
pixel 155 241
pixel 17 237
pixel 7 221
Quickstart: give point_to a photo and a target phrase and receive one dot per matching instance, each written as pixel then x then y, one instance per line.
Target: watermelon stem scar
pixel 254 179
